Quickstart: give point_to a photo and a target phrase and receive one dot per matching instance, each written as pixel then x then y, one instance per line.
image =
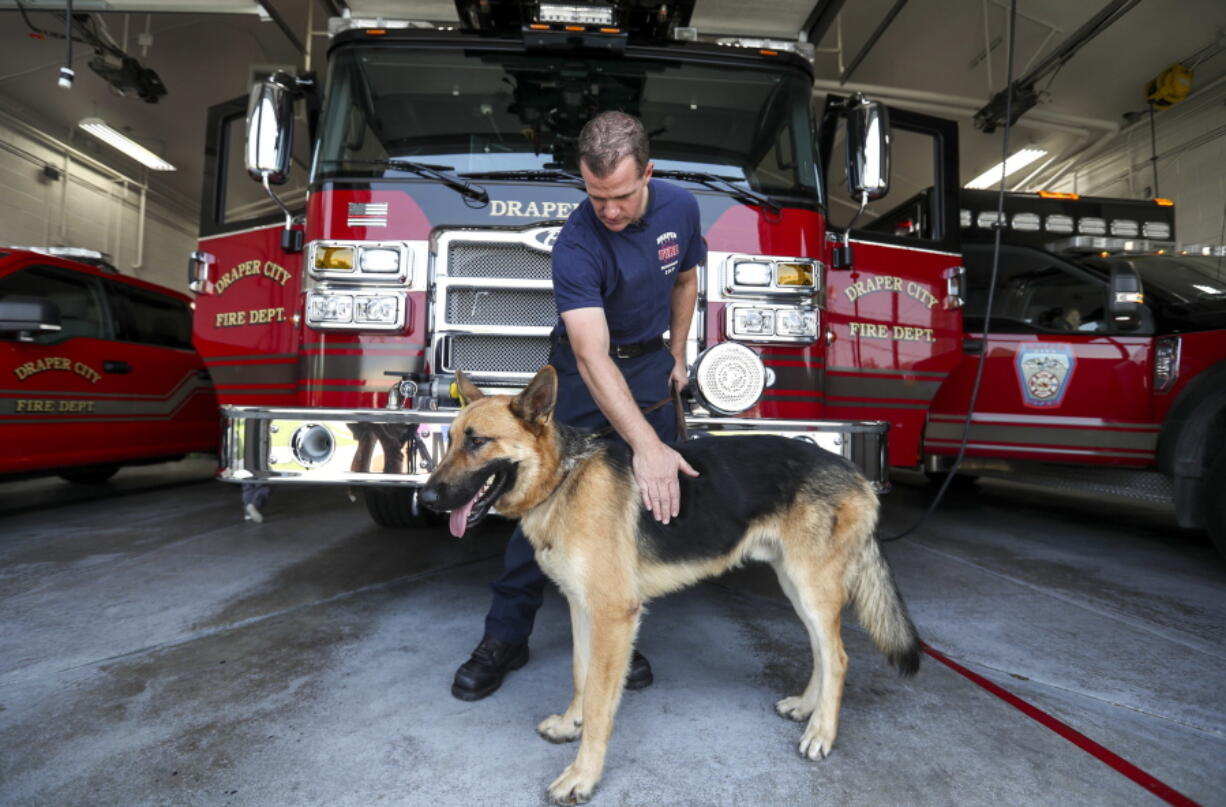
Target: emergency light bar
pixel 575 14
pixel 1089 245
pixel 806 50
pixel 91 256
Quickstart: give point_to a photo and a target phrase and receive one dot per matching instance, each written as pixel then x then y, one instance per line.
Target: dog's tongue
pixel 459 517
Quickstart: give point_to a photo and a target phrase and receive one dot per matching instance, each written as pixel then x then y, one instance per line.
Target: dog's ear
pixel 535 403
pixel 467 389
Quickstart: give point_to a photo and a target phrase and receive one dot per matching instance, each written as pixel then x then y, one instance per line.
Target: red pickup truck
pixel 99 369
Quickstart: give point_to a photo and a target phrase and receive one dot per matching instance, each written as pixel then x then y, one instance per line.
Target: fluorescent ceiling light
pixel 98 128
pixel 1015 163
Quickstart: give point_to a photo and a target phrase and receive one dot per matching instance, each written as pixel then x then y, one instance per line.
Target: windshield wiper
pixel 442 173
pixel 722 185
pixel 530 174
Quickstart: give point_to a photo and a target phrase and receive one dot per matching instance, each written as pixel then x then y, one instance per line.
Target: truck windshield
pixel 489 112
pixel 1188 278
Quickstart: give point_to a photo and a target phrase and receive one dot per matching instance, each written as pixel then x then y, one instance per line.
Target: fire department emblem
pixel 668 251
pixel 1044 370
pixel 544 237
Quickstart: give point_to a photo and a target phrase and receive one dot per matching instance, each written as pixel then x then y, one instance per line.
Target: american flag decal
pixel 368 214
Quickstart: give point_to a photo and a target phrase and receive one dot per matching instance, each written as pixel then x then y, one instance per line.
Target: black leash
pixel 674 398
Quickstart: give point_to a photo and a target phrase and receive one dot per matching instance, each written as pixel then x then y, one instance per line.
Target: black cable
pixel 1153 148
pixel 68 32
pixel 987 314
pixel 1221 245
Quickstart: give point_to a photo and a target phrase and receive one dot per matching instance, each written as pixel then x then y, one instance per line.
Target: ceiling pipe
pixel 820 18
pixel 276 17
pixel 1076 124
pixel 1024 94
pixel 872 40
pixel 1092 150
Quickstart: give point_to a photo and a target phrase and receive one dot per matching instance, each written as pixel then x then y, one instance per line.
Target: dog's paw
pixel 816 744
pixel 794 708
pixel 572 787
pixel 560 729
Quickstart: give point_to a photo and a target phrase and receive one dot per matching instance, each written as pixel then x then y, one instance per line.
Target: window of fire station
pixel 1035 293
pixel 74 295
pixel 149 318
pixel 482 113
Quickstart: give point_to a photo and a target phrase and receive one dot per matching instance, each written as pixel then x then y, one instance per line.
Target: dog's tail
pixel 870 585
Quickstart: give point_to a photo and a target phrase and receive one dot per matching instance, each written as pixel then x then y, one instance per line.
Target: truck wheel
pixel 397 507
pixel 1215 503
pixel 89 476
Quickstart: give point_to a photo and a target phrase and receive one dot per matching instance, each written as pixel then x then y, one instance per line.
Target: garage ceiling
pixel 944 57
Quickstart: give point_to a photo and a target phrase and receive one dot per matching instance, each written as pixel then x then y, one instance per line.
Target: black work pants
pixel 518 593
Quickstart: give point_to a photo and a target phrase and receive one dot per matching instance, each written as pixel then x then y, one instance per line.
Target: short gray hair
pixel 610 137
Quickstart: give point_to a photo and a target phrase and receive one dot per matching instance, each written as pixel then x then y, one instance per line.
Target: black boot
pixel 640 676
pixel 482 674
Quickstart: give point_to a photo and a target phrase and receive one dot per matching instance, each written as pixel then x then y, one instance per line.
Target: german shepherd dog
pixel 803 510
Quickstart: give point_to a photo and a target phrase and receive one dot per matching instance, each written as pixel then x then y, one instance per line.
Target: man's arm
pixel 685 295
pixel 655 465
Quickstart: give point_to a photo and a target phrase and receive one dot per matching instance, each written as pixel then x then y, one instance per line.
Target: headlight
pixel 324 309
pixel 760 276
pixel 332 309
pixel 794 274
pixel 772 323
pixel 729 378
pixel 372 261
pixel 380 260
pixel 796 322
pixel 382 310
pixel 752 273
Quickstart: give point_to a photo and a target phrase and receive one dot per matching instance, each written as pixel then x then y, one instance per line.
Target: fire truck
pixel 1105 352
pixel 334 309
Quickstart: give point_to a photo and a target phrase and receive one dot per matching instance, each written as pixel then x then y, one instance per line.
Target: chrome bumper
pixel 402 447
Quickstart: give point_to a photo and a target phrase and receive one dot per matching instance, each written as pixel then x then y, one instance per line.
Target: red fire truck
pixel 441 167
pixel 99 369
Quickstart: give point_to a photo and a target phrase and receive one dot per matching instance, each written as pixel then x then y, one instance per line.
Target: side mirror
pixel 270 128
pixel 270 143
pixel 26 317
pixel 1125 296
pixel 868 149
pixel 867 163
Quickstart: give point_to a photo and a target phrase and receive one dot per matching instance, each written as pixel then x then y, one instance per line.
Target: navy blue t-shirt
pixel 629 274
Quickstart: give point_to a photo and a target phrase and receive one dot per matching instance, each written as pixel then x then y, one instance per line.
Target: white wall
pixel 100 211
pixel 1191 146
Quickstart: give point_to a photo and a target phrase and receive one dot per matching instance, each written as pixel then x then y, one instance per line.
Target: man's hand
pixel 655 469
pixel 679 376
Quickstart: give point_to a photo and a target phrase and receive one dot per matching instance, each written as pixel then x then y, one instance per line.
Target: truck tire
pixel 89 476
pixel 1215 503
pixel 396 507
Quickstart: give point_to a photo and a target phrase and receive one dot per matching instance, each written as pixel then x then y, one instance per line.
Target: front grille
pixel 493 281
pixel 510 261
pixel 495 355
pixel 476 306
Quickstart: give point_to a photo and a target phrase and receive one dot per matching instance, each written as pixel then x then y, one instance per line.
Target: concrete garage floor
pixel 155 649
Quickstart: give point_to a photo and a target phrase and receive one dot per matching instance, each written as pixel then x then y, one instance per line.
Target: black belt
pixel 630 350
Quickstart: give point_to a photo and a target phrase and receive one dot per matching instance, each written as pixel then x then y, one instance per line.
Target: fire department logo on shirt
pixel 1044 370
pixel 669 251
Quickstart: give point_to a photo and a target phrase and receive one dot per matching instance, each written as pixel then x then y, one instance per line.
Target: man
pixel 623 273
